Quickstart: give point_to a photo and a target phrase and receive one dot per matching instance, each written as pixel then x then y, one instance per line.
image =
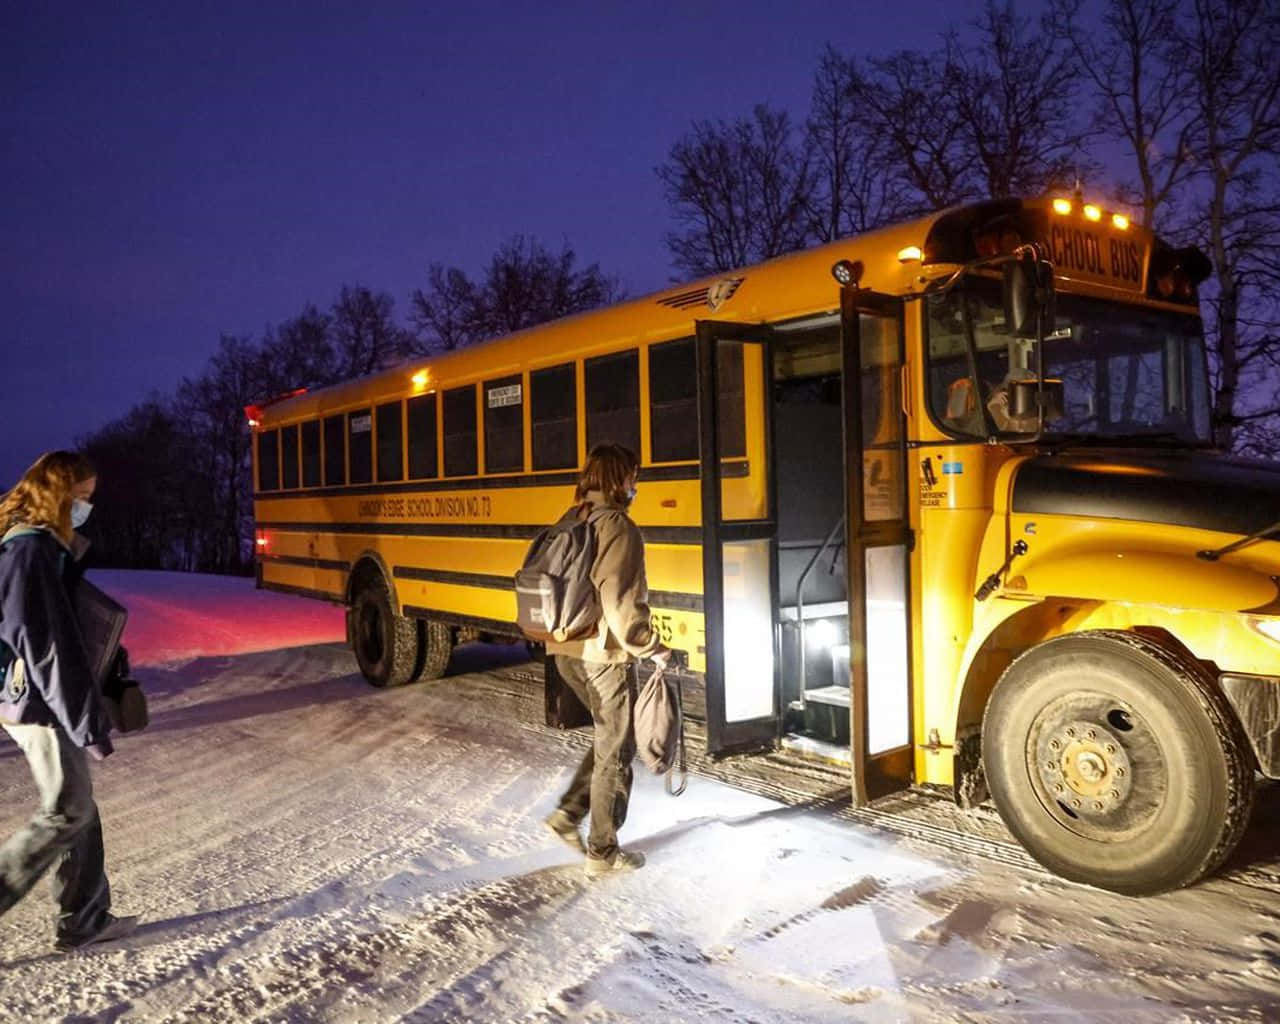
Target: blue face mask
pixel 80 510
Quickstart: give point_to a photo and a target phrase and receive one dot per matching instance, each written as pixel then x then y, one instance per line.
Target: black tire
pixel 386 645
pixel 437 648
pixel 1116 762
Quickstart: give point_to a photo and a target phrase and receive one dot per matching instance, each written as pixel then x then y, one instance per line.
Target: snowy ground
pixel 303 847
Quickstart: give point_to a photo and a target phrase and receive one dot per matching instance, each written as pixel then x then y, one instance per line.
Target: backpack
pixel 659 727
pixel 555 598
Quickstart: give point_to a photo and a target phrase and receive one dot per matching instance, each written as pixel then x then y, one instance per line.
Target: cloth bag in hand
pixel 659 726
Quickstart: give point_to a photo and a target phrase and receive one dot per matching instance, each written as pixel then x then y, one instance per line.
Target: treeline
pixel 1169 108
pixel 174 472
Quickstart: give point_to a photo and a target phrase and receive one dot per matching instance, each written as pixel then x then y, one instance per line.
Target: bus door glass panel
pixel 739 534
pixel 884 497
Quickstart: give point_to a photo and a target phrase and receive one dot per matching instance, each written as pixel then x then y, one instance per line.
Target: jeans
pixel 65 831
pixel 602 784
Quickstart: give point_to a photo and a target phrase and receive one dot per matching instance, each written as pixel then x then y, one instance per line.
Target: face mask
pixel 80 510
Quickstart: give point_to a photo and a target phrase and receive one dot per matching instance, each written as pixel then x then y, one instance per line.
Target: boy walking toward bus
pixel 600 669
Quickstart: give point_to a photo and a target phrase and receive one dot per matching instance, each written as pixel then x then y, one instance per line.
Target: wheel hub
pixel 1085 767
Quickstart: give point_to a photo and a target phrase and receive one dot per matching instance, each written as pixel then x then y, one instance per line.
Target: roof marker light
pixel 1120 221
pixel 1091 212
pixel 1062 206
pixel 420 379
pixel 910 254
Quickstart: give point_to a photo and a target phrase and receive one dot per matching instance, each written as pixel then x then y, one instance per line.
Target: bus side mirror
pixel 1022 398
pixel 1028 289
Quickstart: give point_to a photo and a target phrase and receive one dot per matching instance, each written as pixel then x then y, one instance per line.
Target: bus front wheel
pixel 1116 762
pixel 386 644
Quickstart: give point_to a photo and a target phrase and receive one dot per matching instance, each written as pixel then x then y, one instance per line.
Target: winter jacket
pixel 48 680
pixel 625 629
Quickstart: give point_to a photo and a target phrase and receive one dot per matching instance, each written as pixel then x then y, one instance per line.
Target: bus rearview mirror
pixel 1028 290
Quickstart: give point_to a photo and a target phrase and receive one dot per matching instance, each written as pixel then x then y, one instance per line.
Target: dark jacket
pixel 49 680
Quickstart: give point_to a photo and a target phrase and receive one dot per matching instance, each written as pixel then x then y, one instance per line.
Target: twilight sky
pixel 174 171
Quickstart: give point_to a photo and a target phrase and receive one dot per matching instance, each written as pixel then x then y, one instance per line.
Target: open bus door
pixel 739 589
pixel 879 542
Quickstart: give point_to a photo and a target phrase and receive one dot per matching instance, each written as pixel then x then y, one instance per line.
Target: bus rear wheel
pixel 386 644
pixel 437 648
pixel 1116 762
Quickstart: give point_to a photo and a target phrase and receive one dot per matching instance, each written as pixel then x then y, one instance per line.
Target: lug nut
pixel 1075 803
pixel 1119 773
pixel 1058 787
pixel 1071 731
pixel 1114 794
pixel 1090 734
pixel 1054 744
pixel 1097 805
pixel 1111 748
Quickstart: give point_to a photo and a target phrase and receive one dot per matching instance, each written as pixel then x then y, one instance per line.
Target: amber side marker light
pixel 910 254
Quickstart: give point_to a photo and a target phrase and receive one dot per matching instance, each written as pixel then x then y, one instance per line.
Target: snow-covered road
pixel 303 847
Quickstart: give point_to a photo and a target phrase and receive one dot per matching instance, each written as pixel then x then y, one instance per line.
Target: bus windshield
pixel 1127 373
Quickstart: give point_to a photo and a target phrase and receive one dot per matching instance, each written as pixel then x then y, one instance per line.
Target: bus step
pixel 826 713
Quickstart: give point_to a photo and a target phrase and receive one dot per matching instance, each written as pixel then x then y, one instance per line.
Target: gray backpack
pixel 555 598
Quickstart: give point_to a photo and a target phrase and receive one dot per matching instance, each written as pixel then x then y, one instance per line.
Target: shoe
pixel 112 928
pixel 566 830
pixel 622 860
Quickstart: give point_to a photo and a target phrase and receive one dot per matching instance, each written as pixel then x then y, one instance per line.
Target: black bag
pixel 555 598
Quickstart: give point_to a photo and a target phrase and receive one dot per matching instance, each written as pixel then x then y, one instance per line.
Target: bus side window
pixel 422 437
pixel 360 446
pixel 613 400
pixel 390 444
pixel 673 401
pixel 289 457
pixel 311 453
pixel 269 460
pixel 504 425
pixel 460 431
pixel 553 411
pixel 335 451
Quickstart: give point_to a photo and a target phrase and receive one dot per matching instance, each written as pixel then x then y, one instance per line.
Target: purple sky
pixel 176 171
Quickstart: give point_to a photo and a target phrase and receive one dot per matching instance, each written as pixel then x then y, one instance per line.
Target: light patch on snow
pixel 304 847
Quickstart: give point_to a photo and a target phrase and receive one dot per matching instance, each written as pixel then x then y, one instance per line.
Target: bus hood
pixel 1195 489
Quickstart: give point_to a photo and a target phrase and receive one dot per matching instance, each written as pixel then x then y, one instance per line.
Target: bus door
pixel 738 534
pixel 879 542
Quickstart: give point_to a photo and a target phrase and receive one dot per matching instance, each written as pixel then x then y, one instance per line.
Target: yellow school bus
pixel 938 502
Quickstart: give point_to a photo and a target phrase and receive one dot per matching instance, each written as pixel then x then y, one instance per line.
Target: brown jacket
pixel 625 631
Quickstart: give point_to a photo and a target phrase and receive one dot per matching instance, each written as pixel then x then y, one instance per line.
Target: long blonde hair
pixel 43 496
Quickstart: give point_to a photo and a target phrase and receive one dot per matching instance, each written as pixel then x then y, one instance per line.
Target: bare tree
pixel 1231 45
pixel 365 336
pixel 299 353
pixel 1013 96
pixel 446 314
pixel 1142 91
pixel 741 192
pixel 524 284
pixel 853 189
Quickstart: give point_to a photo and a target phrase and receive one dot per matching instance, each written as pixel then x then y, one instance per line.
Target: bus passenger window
pixel 553 409
pixel 269 461
pixel 460 431
pixel 390 445
pixel 504 425
pixel 289 457
pixel 360 446
pixel 673 401
pixel 311 453
pixel 613 400
pixel 335 451
pixel 422 437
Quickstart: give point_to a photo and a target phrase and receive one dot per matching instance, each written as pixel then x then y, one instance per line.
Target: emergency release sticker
pixel 952 468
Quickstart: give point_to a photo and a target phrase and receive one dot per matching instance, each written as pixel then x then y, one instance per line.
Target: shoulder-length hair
pixel 608 468
pixel 43 496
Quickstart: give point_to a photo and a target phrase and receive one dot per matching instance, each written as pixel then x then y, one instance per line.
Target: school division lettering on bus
pixel 475 506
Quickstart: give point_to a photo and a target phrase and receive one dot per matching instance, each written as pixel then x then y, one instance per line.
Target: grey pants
pixel 65 831
pixel 602 784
